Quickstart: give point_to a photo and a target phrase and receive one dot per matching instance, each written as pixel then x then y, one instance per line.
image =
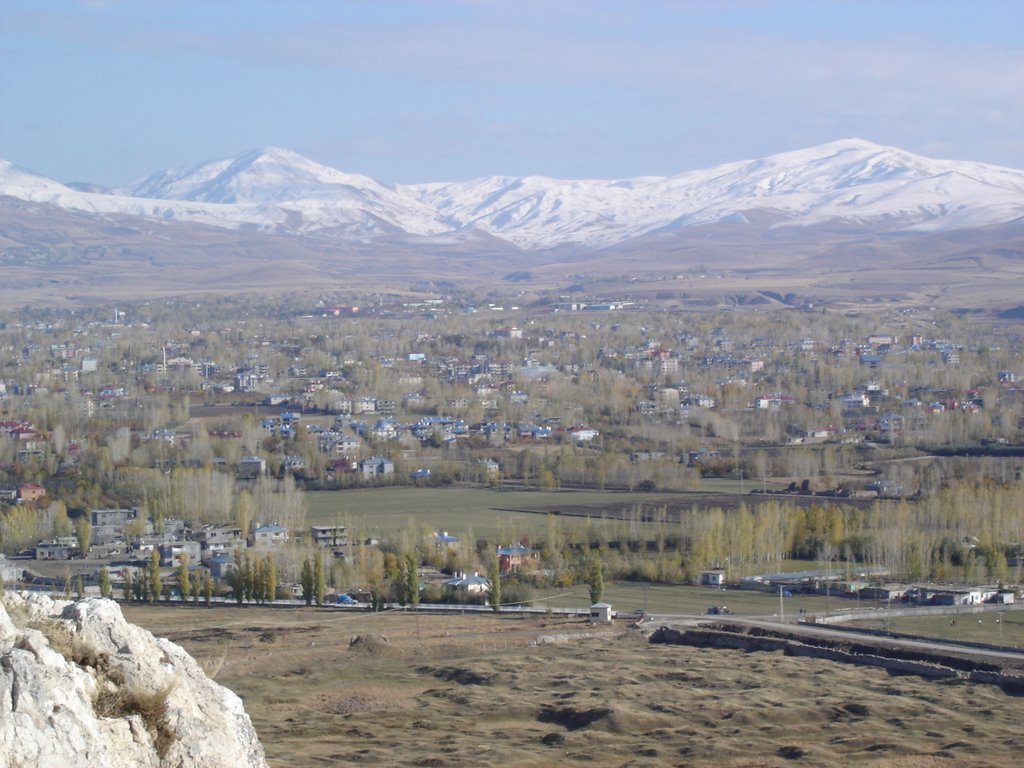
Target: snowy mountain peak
pixel 841 183
pixel 264 175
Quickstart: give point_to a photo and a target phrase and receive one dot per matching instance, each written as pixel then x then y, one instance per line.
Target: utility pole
pixel 782 609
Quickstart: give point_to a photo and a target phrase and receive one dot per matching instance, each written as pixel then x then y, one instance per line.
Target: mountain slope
pixel 844 181
pixel 842 186
pixel 270 178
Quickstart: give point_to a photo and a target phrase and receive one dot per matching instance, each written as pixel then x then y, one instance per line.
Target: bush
pixel 516 592
pixel 150 706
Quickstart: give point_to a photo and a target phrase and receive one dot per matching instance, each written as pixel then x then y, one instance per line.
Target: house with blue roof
pixel 472 584
pixel 220 566
pixel 513 557
pixel 376 466
pixel 444 539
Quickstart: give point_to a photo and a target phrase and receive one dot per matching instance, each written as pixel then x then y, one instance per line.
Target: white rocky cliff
pixel 79 685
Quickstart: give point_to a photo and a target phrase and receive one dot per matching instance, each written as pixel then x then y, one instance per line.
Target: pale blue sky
pixel 440 90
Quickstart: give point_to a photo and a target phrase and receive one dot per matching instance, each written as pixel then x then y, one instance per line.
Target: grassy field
pixel 675 599
pixel 325 688
pixel 484 511
pixel 998 629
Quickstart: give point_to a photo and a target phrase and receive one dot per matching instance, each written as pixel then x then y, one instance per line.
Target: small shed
pixel 600 613
pixel 715 578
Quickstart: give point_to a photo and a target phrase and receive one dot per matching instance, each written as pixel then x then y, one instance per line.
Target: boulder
pixel 79 685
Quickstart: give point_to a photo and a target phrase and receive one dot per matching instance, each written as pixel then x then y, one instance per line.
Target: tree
pixel 104 582
pixel 83 532
pixel 196 586
pixel 242 581
pixel 140 588
pixel 319 585
pixel 79 587
pixel 494 590
pixel 208 588
pixel 376 596
pixel 128 586
pixel 269 579
pixel 236 577
pixel 412 581
pixel 155 586
pixel 595 579
pixel 253 578
pixel 184 584
pixel 306 580
pixel 395 577
pixel 67 581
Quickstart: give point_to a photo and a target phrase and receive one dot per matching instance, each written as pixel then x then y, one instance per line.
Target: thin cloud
pixel 557 88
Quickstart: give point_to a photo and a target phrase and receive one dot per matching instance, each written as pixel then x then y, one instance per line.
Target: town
pixel 168 448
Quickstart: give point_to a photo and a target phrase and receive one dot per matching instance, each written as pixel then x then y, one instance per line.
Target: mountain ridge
pixel 848 182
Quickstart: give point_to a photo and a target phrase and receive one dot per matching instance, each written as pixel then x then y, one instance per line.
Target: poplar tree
pixel 393 576
pixel 319 587
pixel 83 533
pixel 196 586
pixel 155 585
pixel 412 582
pixel 270 579
pixel 246 576
pixel 376 596
pixel 104 582
pixel 595 579
pixel 494 590
pixel 259 585
pixel 306 580
pixel 134 586
pixel 236 577
pixel 184 584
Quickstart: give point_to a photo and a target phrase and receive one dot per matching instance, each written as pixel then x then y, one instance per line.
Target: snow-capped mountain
pixel 272 178
pixel 843 184
pixel 850 180
pixel 271 190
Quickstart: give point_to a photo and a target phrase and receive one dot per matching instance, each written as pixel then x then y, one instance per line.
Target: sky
pixel 407 91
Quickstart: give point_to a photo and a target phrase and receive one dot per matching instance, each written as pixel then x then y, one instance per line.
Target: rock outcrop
pixel 79 685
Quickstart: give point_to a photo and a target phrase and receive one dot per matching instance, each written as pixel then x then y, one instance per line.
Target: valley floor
pixel 413 690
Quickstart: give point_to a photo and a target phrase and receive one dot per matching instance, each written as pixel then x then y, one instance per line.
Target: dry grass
pixel 473 691
pixel 114 698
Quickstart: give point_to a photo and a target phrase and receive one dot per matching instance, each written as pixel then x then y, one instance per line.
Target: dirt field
pixel 406 690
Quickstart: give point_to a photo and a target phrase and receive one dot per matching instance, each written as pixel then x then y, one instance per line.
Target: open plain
pixel 405 689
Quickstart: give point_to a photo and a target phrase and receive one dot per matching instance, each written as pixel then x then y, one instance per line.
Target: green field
pixel 485 511
pixel 1008 630
pixel 677 599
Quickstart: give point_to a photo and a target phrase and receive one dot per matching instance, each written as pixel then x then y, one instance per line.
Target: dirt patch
pixel 360 701
pixel 371 645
